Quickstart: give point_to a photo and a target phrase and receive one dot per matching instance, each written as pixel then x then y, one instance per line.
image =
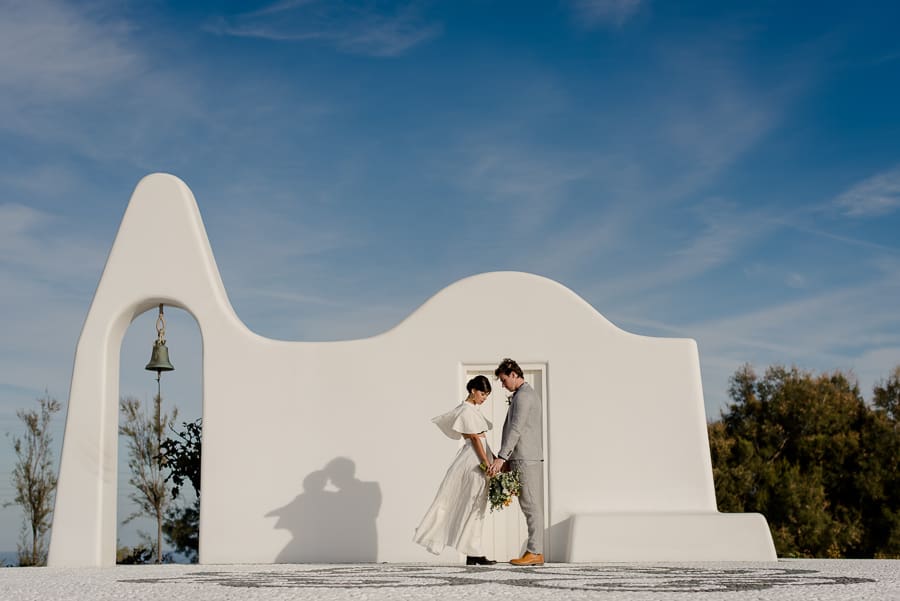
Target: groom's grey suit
pixel 522 446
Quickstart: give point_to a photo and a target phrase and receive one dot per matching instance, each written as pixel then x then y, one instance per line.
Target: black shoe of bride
pixel 479 561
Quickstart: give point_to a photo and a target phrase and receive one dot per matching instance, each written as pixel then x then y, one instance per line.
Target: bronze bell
pixel 159 360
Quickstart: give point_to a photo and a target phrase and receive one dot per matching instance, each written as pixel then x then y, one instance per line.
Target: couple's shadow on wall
pixel 333 519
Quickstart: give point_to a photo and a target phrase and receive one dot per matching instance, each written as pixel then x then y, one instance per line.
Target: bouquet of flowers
pixel 502 488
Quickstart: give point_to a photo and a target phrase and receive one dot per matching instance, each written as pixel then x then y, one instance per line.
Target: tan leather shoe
pixel 529 559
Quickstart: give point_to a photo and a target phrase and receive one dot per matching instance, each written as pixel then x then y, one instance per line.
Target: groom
pixel 522 447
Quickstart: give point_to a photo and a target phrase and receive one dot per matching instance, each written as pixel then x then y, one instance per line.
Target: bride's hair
pixel 479 383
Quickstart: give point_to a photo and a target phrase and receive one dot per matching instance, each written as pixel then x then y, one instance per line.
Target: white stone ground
pixel 820 580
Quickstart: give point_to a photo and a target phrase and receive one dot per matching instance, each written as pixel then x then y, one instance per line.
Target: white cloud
pixel 592 13
pixel 15 220
pixel 84 80
pixel 875 196
pixel 711 112
pixel 575 245
pixel 279 7
pixel 659 152
pixel 47 270
pixel 50 50
pixel 525 183
pixel 350 28
pixel 722 235
pixel 875 366
pixel 796 280
pixel 821 332
pixel 43 180
pixel 850 328
pixel 798 222
pixel 77 79
pixel 39 245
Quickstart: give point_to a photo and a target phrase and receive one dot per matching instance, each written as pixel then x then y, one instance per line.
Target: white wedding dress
pixel 456 516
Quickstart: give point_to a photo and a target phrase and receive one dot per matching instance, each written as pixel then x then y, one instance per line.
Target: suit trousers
pixel 531 500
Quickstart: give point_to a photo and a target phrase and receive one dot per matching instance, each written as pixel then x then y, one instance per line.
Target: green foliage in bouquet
pixel 502 488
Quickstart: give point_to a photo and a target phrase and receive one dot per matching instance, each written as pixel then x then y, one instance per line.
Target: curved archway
pixel 181 389
pixel 84 530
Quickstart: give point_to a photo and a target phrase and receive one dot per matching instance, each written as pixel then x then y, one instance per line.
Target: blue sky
pixel 728 172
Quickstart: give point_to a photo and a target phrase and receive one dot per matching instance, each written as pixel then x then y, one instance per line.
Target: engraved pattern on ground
pixel 660 579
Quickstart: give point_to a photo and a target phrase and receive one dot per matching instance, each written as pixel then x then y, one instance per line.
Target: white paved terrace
pixel 820 580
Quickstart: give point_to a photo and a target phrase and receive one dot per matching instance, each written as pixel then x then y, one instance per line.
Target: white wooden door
pixel 505 532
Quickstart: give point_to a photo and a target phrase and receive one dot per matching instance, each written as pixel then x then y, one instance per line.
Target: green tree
pixel 886 397
pixel 807 452
pixel 879 473
pixel 35 480
pixel 144 436
pixel 181 457
pixel 139 554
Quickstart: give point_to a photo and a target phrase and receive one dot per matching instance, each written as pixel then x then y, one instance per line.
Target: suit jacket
pixel 523 431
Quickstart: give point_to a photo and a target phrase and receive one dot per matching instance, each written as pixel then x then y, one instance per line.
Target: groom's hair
pixel 508 366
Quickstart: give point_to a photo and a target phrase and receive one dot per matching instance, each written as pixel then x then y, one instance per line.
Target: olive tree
pixel 34 479
pixel 181 457
pixel 819 462
pixel 144 437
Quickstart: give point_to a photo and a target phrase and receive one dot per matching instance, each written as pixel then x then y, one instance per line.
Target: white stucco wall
pixel 626 426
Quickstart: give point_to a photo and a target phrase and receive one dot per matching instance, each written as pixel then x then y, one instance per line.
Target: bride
pixel 456 515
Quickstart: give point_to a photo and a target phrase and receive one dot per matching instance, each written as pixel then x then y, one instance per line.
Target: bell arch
pixel 162 225
pixel 180 388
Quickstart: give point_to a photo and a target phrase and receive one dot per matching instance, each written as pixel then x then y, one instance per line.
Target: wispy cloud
pixel 875 196
pixel 37 244
pixel 796 280
pixel 279 7
pixel 289 249
pixel 366 30
pixel 712 111
pixel 47 271
pixel 16 219
pixel 51 50
pixel 847 328
pixel 660 153
pixel 721 234
pixel 44 180
pixel 887 58
pixel 76 78
pixel 615 13
pixel 796 221
pixel 531 181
